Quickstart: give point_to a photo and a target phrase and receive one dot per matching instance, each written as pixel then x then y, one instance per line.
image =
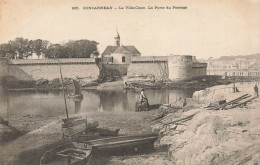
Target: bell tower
pixel 117 39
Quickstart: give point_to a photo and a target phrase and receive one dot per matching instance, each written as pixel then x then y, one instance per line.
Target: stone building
pixel 119 54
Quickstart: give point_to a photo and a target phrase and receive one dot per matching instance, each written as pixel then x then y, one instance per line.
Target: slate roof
pixel 123 50
pixel 111 49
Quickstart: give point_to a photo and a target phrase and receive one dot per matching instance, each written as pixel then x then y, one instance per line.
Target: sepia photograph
pixel 128 82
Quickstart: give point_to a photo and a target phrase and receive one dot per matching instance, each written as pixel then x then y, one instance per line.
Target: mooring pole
pixel 63 91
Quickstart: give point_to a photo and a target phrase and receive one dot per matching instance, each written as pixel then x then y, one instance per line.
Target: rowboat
pixel 77 125
pixel 120 145
pixel 81 152
pixel 65 154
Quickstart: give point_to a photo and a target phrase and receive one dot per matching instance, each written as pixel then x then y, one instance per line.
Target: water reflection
pixel 44 104
pixel 4 104
pixel 77 104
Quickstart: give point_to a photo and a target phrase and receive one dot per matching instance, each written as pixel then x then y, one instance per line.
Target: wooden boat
pixel 65 154
pixel 119 145
pixel 76 90
pixel 73 126
pixel 77 125
pixel 80 152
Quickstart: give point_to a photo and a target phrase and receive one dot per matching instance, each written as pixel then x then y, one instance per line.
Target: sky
pixel 205 29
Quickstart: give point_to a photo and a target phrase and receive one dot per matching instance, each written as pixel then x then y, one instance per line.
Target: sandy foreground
pixel 208 137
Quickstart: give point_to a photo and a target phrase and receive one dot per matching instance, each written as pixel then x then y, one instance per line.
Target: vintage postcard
pixel 126 82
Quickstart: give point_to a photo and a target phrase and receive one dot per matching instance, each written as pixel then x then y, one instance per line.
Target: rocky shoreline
pixel 12 83
pixel 194 84
pixel 135 82
pixel 201 136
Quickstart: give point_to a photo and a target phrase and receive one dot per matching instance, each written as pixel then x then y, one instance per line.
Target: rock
pixel 157 127
pixel 181 128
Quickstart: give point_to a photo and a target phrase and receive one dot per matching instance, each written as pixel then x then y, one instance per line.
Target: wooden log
pixel 237 102
pixel 185 118
pixel 232 101
pixel 244 102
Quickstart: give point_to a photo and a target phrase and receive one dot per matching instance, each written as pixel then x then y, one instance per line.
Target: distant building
pixel 119 54
pixel 237 67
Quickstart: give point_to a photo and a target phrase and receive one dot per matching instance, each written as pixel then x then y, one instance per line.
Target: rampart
pixel 199 69
pixel 149 66
pixel 173 67
pixel 111 70
pixel 3 67
pixel 49 68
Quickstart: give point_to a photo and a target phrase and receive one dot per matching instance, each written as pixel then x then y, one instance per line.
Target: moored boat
pixel 73 126
pixel 80 152
pixel 120 145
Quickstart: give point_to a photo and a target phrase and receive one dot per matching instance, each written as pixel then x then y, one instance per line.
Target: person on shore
pixel 234 87
pixel 256 91
pixel 237 90
pixel 144 100
pixel 142 103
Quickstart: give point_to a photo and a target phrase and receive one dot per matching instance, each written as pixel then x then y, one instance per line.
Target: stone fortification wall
pixel 3 67
pixel 199 69
pixel 149 66
pixel 49 68
pixel 173 67
pixel 180 67
pixel 110 70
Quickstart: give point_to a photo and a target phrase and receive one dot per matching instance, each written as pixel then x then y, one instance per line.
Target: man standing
pixel 256 90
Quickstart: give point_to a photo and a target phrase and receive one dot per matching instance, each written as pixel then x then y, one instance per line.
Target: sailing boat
pixel 71 126
pixel 76 90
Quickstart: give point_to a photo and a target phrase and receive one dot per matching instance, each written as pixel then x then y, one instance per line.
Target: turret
pixel 117 39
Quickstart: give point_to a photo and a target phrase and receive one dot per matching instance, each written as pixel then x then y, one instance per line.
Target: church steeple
pixel 117 39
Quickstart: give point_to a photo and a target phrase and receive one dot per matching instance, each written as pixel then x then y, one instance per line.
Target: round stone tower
pixel 180 67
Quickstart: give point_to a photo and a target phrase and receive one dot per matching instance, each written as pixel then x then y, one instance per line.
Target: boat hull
pixel 73 126
pixel 120 145
pixel 70 131
pixel 124 148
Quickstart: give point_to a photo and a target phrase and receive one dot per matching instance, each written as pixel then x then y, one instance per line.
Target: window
pixel 123 59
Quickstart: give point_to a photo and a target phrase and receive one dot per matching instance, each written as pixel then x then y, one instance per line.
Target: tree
pixel 21 46
pixel 6 50
pixel 53 51
pixel 81 48
pixel 95 54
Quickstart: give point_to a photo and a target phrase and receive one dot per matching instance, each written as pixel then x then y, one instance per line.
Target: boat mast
pixel 63 91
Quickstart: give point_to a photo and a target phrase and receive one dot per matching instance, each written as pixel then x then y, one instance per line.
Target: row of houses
pixel 238 67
